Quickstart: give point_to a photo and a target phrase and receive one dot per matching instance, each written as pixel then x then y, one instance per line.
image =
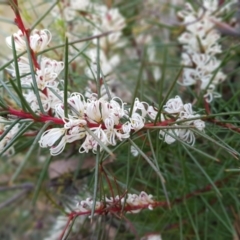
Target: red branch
pixel 19 22
pixel 116 208
pixel 207 107
pixel 47 118
pixel 40 118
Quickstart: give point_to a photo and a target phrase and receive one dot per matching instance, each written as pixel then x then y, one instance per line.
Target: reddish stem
pixel 40 118
pixel 47 118
pixel 207 107
pixel 19 22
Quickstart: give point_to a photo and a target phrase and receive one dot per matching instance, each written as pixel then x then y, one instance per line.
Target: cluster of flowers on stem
pixel 92 120
pixel 201 45
pixel 185 117
pixel 133 203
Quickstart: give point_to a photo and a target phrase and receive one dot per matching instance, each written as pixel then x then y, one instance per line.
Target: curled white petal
pixel 55 139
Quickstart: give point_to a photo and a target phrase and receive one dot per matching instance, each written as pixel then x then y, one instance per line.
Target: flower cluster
pixel 186 117
pixel 92 120
pixel 38 40
pixel 132 204
pixel 200 45
pixel 107 121
pixel 46 73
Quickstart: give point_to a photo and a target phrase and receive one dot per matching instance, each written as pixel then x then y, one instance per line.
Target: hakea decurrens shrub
pixel 200 44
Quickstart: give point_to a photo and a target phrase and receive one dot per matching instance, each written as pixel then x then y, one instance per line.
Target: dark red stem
pixel 19 22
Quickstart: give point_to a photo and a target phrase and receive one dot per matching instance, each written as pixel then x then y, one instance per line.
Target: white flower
pixel 134 151
pixel 139 107
pixel 55 139
pixel 23 67
pixel 39 39
pixel 173 105
pixel 169 138
pixel 90 143
pixel 116 108
pixel 187 136
pixel 140 200
pixel 199 124
pixel 137 121
pixel 81 5
pixel 48 72
pixel 87 205
pixel 186 113
pixel 211 93
pixel 116 134
pixel 152 113
pixel 19 40
pixel 152 236
pixel 97 110
pixel 78 103
pixel 31 98
pixel 110 20
pixel 75 133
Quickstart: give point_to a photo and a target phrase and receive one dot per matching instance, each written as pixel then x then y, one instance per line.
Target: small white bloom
pixel 78 103
pixel 140 108
pixel 48 72
pixel 187 136
pixel 169 139
pixel 174 105
pixel 89 144
pixel 55 139
pixel 33 101
pixel 137 121
pixel 199 124
pixel 19 40
pixel 134 151
pixel 152 113
pixel 39 39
